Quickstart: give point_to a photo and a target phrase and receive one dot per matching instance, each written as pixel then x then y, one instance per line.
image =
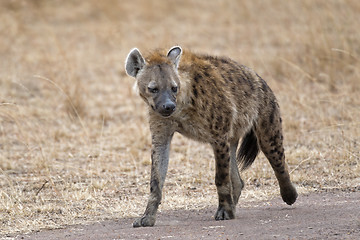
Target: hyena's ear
pixel 134 62
pixel 174 54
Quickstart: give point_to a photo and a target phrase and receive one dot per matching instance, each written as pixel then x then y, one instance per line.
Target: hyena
pixel 213 100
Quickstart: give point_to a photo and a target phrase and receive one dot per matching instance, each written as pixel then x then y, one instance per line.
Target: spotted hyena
pixel 213 100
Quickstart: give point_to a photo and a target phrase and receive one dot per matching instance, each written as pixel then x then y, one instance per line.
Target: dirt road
pixel 331 215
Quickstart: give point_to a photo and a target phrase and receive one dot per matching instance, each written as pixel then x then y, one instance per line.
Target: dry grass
pixel 74 138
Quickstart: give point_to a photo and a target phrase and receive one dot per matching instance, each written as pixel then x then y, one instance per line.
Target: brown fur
pixel 217 101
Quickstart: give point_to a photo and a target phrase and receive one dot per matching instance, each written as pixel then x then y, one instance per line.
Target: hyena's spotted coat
pixel 213 100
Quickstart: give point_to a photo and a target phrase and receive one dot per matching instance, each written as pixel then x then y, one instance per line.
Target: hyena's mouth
pixel 166 114
pixel 166 109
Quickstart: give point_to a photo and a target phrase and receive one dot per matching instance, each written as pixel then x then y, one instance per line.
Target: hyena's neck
pixel 183 98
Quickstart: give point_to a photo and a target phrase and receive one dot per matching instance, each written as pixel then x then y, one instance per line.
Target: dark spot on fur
pixel 202 90
pixel 193 102
pixel 282 170
pixel 219 119
pixel 229 72
pixel 195 91
pixel 222 156
pixel 225 198
pixel 206 73
pixel 220 178
pixel 273 139
pixel 214 82
pixel 197 77
pixel 277 165
pixel 153 184
pixel 223 60
pixel 213 132
pixel 248 80
pixel 218 181
pixel 252 86
pixel 210 124
pixel 203 107
pixel 222 97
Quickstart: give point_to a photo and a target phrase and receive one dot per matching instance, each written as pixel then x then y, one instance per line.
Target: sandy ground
pixel 327 215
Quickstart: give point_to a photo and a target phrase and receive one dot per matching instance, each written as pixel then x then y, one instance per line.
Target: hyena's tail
pixel 248 150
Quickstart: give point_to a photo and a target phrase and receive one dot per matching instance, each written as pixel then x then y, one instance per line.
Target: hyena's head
pixel 157 78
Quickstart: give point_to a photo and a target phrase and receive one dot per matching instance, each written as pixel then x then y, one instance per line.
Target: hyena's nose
pixel 168 108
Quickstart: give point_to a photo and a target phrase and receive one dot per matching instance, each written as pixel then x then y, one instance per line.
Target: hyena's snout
pixel 167 108
pixel 166 105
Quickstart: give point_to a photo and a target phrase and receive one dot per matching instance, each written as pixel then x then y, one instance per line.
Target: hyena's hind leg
pixel 269 133
pixel 236 182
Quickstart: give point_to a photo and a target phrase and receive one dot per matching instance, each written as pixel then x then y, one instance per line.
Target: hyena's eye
pixel 174 89
pixel 153 90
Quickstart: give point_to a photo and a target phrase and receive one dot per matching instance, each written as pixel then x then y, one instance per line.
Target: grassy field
pixel 74 138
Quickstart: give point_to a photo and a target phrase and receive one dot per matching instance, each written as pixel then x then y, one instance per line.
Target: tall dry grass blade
pixel 69 100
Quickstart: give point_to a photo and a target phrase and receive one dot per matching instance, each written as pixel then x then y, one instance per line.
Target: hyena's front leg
pixel 226 209
pixel 159 165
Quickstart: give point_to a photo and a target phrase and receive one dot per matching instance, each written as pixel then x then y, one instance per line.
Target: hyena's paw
pixel 289 194
pixel 145 221
pixel 224 214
